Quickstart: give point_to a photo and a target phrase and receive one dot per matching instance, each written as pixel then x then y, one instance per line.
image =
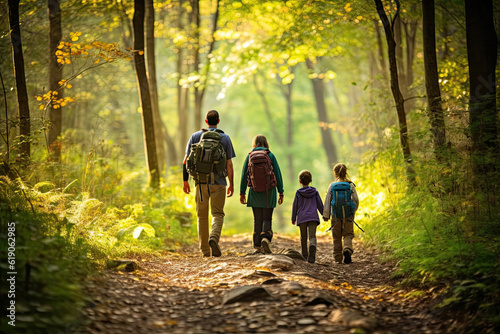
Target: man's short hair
pixel 212 117
pixel 305 177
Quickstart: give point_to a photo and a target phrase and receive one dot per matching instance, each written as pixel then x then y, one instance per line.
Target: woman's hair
pixel 260 141
pixel 305 177
pixel 340 172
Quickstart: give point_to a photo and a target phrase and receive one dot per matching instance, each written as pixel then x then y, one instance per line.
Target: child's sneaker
pixel 265 246
pixel 215 248
pixel 347 256
pixel 258 250
pixel 312 254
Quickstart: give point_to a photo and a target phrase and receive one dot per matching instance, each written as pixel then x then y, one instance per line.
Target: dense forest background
pixel 100 97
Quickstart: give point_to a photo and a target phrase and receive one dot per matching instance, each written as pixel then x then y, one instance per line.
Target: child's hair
pixel 340 172
pixel 305 177
pixel 260 141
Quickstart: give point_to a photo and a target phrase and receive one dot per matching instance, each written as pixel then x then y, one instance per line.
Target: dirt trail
pixel 184 293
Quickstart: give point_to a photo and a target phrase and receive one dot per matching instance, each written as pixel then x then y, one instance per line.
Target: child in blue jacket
pixel 306 205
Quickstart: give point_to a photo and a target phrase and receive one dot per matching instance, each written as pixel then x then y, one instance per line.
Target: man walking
pixel 210 179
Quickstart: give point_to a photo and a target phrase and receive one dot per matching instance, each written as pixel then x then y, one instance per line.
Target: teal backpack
pixel 342 204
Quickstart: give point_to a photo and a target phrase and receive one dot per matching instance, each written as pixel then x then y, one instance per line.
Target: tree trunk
pixel 326 136
pixel 432 80
pixel 289 128
pixel 410 28
pixel 482 57
pixel 182 89
pixel 396 92
pixel 5 138
pixel 143 87
pixel 22 92
pixel 398 38
pixel 267 110
pixel 195 18
pixel 286 90
pixel 55 77
pixel 381 56
pixel 153 86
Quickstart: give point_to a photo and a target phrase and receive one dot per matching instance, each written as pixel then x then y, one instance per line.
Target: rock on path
pixel 242 292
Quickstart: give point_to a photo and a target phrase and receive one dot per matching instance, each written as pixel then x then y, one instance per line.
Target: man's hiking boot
pixel 215 247
pixel 347 256
pixel 265 246
pixel 312 254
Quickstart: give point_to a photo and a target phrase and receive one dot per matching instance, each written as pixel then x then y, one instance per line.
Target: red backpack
pixel 260 171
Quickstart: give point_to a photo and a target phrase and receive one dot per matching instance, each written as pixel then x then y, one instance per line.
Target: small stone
pixel 247 293
pixel 352 319
pixel 306 321
pixel 319 314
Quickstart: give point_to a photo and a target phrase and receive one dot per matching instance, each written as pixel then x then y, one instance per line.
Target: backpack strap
pixel 208 129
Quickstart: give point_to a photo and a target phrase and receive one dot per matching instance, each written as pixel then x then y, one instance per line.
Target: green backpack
pixel 207 158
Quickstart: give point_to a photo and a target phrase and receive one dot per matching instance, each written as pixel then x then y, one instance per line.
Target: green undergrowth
pixel 69 221
pixel 441 233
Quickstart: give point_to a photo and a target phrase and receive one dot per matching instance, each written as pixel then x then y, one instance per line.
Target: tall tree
pixel 153 85
pixel 396 92
pixel 432 80
pixel 287 90
pixel 182 87
pixel 272 125
pixel 55 77
pixel 482 57
pixel 22 92
pixel 195 23
pixel 201 84
pixel 144 95
pixel 319 97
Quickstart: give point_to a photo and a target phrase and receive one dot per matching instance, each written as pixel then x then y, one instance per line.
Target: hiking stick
pixel 332 226
pixel 358 226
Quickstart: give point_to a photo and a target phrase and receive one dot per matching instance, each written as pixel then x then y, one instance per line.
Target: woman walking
pixel 261 174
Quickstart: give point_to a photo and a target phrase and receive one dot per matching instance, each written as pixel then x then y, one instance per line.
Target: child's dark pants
pixel 304 229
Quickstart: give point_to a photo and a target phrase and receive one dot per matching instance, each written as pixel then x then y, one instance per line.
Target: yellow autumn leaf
pixel 69 86
pixel 141 53
pixel 39 98
pixel 75 38
pixel 67 61
pixel 41 107
pixel 96 62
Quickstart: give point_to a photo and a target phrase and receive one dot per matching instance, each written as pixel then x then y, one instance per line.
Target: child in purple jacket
pixel 306 205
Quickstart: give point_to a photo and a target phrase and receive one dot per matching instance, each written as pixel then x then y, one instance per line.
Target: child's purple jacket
pixel 306 204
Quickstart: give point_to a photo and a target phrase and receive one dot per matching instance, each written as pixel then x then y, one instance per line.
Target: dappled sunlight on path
pixel 186 293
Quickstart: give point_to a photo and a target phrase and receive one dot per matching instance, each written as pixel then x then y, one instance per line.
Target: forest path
pixel 184 293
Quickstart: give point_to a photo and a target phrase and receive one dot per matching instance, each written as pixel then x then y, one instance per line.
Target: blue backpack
pixel 342 204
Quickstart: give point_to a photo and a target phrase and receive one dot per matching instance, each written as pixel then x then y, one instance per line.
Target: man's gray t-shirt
pixel 225 142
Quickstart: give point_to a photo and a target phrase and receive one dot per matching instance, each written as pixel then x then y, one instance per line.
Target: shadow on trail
pixel 185 293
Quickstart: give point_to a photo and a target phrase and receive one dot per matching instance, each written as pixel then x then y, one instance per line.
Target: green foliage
pixel 444 232
pixel 49 268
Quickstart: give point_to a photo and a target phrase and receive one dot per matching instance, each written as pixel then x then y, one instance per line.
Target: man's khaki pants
pixel 216 198
pixel 342 230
